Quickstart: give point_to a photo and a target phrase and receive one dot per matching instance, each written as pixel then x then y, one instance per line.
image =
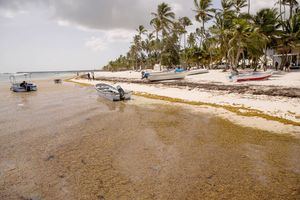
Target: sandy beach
pixel 276 99
pixel 64 142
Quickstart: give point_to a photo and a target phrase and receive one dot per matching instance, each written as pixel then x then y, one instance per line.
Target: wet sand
pixel 63 142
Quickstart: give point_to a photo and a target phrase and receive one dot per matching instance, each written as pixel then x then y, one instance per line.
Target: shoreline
pixel 268 90
pixel 247 113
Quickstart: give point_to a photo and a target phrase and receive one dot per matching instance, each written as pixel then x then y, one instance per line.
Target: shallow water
pixel 63 142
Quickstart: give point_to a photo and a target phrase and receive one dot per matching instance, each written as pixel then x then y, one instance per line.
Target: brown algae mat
pixel 76 145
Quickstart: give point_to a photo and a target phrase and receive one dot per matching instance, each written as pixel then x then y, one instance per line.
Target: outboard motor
pixel 121 92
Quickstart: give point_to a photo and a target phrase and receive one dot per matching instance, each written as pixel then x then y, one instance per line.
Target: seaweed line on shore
pixel 240 89
pixel 239 110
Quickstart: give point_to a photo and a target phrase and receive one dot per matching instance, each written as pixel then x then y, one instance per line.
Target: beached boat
pixel 254 76
pixel 162 76
pixel 23 86
pixel 197 71
pixel 112 93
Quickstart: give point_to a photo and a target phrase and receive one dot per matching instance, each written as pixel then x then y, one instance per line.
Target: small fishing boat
pixel 162 76
pixel 112 93
pixel 23 86
pixel 197 71
pixel 254 76
pixel 57 81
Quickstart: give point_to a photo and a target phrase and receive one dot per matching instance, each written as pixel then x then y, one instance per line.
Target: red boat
pixel 253 77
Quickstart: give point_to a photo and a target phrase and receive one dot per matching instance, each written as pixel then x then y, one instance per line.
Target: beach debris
pixel 100 197
pixel 57 81
pixel 83 161
pixel 50 157
pixel 30 198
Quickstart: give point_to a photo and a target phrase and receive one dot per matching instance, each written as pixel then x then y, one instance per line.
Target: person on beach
pixel 287 66
pixel 93 77
pixel 276 65
pixel 89 76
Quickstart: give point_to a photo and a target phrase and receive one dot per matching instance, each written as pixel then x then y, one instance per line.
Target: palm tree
pixel 141 30
pixel 239 4
pixel 267 22
pixel 163 21
pixel 204 12
pixel 185 22
pixel 163 18
pixel 157 26
pixel 221 28
pixel 280 8
pixel 136 48
pixel 290 35
pixel 292 4
pixel 240 33
pixel 191 40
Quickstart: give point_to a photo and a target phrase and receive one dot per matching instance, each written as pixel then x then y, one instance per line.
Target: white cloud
pixel 63 23
pixel 100 43
pixel 96 44
pixel 118 35
pixel 256 5
pixel 8 13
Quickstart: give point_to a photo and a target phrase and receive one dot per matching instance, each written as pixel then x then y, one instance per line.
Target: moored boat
pixel 23 86
pixel 112 93
pixel 57 81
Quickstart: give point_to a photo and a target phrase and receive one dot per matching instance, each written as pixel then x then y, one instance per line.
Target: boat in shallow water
pixel 24 86
pixel 112 93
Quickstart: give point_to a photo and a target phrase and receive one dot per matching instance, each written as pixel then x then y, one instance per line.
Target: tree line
pixel 234 35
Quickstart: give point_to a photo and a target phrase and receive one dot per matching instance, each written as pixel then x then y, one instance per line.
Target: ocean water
pixel 4 77
pixel 65 142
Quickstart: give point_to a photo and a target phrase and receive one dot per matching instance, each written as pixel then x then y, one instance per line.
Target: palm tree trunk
pixel 280 9
pixel 203 27
pixel 284 11
pixel 265 56
pixel 184 40
pixel 249 6
pixel 291 9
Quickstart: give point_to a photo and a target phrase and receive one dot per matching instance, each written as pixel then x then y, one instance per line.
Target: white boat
pixel 252 76
pixel 197 71
pixel 162 76
pixel 23 86
pixel 112 93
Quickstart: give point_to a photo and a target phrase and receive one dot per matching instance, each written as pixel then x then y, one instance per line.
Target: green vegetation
pixel 226 35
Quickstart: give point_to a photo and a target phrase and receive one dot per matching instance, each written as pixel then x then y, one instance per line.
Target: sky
pixel 37 35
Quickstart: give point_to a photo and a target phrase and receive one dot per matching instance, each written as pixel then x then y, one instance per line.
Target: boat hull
pixel 197 71
pixel 253 77
pixel 111 93
pixel 29 88
pixel 167 76
pixel 111 97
